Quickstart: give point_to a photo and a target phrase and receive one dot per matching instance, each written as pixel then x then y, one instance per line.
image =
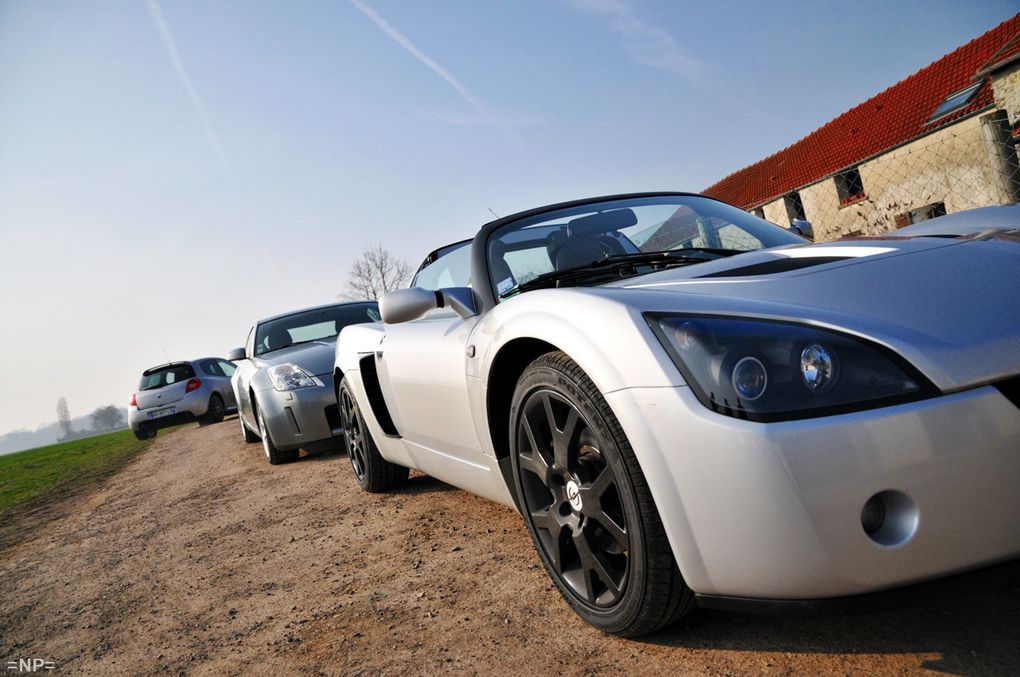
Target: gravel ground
pixel 201 558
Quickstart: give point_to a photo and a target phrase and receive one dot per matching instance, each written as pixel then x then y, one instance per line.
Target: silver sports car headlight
pixel 289 377
pixel 772 371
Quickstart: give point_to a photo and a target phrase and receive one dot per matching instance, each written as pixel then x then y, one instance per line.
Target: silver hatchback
pixel 179 392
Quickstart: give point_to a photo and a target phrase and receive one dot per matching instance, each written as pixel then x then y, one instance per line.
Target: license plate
pixel 169 411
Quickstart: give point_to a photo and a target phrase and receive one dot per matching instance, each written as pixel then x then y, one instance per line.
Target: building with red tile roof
pixel 937 141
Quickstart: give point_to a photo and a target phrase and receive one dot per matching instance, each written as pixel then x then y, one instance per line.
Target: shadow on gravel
pixel 973 633
pixel 423 484
pixel 417 483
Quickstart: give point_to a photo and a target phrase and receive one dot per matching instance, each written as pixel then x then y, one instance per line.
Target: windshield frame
pixel 482 282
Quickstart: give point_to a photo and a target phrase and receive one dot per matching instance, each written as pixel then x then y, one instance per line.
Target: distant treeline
pixel 103 419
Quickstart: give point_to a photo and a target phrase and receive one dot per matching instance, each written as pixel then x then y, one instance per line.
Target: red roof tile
pixel 884 121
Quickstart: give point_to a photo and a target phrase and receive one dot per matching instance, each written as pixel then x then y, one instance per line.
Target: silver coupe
pixel 284 379
pixel 690 406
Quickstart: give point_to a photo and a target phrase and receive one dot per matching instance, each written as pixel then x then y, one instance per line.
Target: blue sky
pixel 171 171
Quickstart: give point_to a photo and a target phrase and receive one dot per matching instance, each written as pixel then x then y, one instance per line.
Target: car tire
pixel 371 471
pixel 248 435
pixel 273 455
pixel 216 411
pixel 587 505
pixel 144 432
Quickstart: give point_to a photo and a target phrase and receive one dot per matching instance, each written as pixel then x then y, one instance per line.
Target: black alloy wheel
pixel 573 498
pixel 372 472
pixel 354 433
pixel 587 505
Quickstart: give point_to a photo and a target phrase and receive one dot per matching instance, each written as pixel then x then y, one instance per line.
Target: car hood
pixel 951 307
pixel 315 357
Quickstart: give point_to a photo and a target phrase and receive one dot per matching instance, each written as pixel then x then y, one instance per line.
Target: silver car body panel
pixel 766 510
pixel 967 222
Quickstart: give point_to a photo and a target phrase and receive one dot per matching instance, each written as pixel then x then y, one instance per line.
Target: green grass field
pixel 29 474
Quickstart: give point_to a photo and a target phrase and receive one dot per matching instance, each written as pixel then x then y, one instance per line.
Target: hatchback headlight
pixel 289 377
pixel 771 371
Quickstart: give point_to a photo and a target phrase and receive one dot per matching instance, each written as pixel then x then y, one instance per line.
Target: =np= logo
pixel 30 665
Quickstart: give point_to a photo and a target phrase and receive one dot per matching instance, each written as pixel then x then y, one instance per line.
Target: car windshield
pixel 448 266
pixel 157 377
pixel 311 325
pixel 639 234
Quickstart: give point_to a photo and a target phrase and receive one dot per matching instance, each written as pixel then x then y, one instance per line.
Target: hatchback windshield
pixel 164 376
pixel 685 229
pixel 311 325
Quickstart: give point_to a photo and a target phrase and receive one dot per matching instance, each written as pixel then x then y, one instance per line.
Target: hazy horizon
pixel 172 171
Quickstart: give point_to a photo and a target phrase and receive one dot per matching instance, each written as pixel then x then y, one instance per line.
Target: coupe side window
pixel 228 368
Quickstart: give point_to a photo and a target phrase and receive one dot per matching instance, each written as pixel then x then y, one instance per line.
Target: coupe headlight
pixel 772 371
pixel 289 377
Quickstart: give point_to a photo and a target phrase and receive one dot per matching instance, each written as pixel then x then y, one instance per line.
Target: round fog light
pixel 890 518
pixel 818 367
pixel 873 515
pixel 750 378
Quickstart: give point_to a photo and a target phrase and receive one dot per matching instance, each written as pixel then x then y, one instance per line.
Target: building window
pixel 955 101
pixel 849 187
pixel 928 212
pixel 759 212
pixel 924 213
pixel 794 206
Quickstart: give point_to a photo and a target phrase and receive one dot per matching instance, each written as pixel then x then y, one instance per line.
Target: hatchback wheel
pixel 587 505
pixel 373 472
pixel 215 412
pixel 145 431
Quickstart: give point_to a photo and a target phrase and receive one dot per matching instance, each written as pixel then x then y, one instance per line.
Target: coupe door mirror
pixel 235 354
pixel 405 305
pixel 803 228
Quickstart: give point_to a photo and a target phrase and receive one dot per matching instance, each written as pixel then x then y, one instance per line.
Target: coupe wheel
pixel 216 411
pixel 373 472
pixel 273 455
pixel 587 505
pixel 248 435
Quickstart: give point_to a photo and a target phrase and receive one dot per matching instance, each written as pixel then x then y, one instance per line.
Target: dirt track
pixel 201 558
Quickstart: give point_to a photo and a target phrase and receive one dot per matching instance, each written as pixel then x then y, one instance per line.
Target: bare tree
pixel 64 417
pixel 107 418
pixel 375 272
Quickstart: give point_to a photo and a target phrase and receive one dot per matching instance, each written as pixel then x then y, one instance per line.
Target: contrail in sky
pixel 425 59
pixel 196 101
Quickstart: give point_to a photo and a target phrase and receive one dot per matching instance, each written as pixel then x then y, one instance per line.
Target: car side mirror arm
pixel 460 299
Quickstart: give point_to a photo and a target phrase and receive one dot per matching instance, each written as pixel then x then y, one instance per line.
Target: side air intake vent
pixel 370 377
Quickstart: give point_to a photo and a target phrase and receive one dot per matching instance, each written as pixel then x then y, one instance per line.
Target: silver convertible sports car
pixel 284 379
pixel 690 406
